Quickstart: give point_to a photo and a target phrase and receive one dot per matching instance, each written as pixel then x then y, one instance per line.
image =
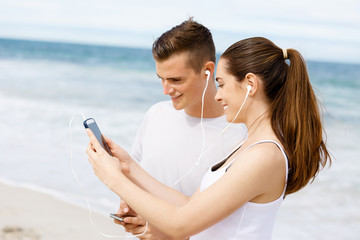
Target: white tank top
pixel 252 221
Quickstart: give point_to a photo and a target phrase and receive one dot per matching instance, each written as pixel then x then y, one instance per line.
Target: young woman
pixel 240 196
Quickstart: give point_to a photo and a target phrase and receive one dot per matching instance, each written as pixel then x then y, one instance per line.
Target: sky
pixel 323 30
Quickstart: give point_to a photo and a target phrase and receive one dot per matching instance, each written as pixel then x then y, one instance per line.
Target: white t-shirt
pixel 169 142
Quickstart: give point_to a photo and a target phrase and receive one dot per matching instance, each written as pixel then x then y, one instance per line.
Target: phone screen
pixel 90 123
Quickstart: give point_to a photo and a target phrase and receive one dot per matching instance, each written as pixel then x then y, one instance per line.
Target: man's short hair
pixel 189 37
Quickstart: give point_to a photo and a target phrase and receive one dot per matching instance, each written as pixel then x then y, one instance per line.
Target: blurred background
pixel 60 58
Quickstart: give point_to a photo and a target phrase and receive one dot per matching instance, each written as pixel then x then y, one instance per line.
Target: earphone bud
pixel 248 88
pixel 207 73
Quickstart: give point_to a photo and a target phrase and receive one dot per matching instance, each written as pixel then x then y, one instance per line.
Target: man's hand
pixel 136 225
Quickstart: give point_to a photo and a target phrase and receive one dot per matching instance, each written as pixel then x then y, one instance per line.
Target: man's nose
pixel 167 89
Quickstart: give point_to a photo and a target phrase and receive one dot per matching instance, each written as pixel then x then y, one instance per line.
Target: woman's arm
pixel 251 178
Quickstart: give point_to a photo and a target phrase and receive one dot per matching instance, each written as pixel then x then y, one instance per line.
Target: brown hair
pixel 190 37
pixel 295 115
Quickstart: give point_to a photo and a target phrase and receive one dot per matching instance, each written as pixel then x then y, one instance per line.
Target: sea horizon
pixel 124 46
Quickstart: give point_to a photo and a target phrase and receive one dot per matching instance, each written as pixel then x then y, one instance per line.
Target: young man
pixel 175 144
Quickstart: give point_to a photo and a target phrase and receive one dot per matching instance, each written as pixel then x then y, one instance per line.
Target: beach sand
pixel 26 215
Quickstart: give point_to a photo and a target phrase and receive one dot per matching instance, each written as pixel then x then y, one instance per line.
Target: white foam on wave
pixel 35 147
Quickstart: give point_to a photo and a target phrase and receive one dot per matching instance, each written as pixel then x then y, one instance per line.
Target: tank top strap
pixel 267 141
pixel 234 150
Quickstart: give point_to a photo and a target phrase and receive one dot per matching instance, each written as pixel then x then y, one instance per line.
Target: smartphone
pixel 90 123
pixel 113 215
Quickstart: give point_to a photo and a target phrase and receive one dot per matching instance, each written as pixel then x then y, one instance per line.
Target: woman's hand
pixel 107 168
pixel 121 154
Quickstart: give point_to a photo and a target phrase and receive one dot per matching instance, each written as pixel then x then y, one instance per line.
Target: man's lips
pixel 176 96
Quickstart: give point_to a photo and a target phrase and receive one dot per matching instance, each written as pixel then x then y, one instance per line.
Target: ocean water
pixel 44 85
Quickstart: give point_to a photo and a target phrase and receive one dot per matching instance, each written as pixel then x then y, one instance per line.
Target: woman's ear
pixel 252 81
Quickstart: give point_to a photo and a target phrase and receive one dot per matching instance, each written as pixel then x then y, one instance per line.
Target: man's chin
pixel 177 105
pixel 177 102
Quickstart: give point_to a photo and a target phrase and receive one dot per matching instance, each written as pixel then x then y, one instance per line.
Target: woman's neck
pixel 260 128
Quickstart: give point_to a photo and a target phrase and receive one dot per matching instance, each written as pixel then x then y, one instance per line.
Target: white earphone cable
pixel 196 163
pixel 202 118
pixel 203 151
pixel 242 105
pixel 86 198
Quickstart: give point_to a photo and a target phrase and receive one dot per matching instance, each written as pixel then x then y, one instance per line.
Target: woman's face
pixel 231 93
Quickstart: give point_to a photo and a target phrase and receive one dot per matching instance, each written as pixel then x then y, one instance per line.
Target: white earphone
pixel 248 88
pixel 207 73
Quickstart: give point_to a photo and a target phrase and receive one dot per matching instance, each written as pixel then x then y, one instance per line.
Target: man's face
pixel 181 83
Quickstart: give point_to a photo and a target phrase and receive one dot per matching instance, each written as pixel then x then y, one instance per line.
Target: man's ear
pixel 210 66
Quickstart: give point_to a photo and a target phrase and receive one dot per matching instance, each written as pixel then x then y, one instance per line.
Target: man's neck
pixel 212 108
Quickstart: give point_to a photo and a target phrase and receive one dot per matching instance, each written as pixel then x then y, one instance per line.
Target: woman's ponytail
pixel 296 120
